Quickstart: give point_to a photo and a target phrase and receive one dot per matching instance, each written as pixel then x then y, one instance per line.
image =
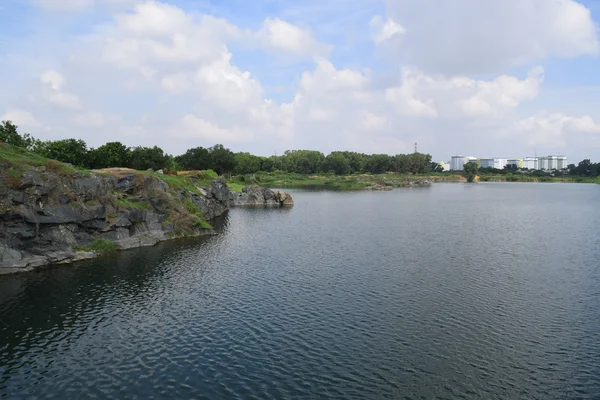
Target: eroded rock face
pixel 47 216
pixel 253 196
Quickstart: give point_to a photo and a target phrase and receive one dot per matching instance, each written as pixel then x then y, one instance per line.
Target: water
pixel 454 291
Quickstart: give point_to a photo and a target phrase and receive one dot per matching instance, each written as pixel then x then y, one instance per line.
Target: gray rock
pixel 30 179
pixel 9 255
pixel 18 197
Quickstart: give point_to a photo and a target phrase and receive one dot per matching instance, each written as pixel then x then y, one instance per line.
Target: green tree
pixel 222 159
pixel 337 163
pixel 470 171
pixel 109 155
pixel 143 158
pixel 72 151
pixel 10 135
pixel 246 163
pixel 378 163
pixel 195 159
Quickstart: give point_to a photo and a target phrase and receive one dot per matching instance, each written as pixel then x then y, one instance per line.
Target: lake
pixel 488 290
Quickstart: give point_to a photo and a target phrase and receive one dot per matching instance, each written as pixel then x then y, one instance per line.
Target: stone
pixel 18 197
pixel 30 179
pixel 9 255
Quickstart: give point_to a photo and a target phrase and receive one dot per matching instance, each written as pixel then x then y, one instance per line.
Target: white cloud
pixel 281 36
pixel 474 36
pixel 556 130
pixel 191 127
pixel 53 94
pixel 385 30
pixel 505 92
pixel 181 79
pixel 21 118
pixel 53 79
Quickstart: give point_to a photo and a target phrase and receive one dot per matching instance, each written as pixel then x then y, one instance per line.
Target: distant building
pixel 486 163
pixel 562 162
pixel 516 162
pixel 553 162
pixel 457 163
pixel 531 163
pixel 500 163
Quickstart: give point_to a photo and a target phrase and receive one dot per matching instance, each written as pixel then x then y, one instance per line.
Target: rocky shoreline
pixel 57 218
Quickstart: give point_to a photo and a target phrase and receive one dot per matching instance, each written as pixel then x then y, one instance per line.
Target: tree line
pixel 223 161
pixel 218 158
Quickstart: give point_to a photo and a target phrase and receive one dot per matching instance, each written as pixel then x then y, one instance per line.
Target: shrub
pixel 98 246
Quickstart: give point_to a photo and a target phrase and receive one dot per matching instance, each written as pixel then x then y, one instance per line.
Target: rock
pixel 9 255
pixel 160 171
pixel 126 183
pixel 18 197
pixel 49 213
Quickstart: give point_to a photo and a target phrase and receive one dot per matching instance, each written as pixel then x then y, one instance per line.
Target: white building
pixel 553 162
pixel 562 162
pixel 457 163
pixel 500 163
pixel 531 163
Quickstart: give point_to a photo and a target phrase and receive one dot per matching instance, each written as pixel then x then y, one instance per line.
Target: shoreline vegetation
pixel 386 181
pixel 339 170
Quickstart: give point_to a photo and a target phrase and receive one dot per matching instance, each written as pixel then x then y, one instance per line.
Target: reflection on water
pixel 473 291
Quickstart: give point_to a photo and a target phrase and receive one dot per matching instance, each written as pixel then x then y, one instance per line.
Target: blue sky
pixel 460 77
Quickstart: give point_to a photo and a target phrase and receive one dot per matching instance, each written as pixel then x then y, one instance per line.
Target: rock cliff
pixel 53 213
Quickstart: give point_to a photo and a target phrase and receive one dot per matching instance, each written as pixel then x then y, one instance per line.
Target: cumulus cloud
pixel 21 118
pixel 179 79
pixel 383 30
pixel 474 36
pixel 54 94
pixel 281 36
pixel 555 130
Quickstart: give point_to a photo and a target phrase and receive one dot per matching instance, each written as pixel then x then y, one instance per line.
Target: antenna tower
pixel 416 143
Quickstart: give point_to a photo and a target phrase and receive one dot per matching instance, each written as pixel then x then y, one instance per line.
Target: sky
pixel 495 78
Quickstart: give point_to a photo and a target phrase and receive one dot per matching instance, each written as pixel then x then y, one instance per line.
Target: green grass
pixel 22 160
pixel 187 183
pixel 199 221
pixel 98 246
pixel 236 186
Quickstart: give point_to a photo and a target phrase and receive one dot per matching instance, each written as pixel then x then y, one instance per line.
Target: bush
pixel 98 246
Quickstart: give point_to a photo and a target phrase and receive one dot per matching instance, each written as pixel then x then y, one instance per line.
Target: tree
pixel 470 171
pixel 222 160
pixel 436 167
pixel 378 163
pixel 112 154
pixel 246 163
pixel 72 151
pixel 10 135
pixel 337 163
pixel 143 158
pixel 195 159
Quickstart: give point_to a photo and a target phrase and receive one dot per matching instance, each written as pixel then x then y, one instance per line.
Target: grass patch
pixel 98 246
pixel 235 186
pixel 188 183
